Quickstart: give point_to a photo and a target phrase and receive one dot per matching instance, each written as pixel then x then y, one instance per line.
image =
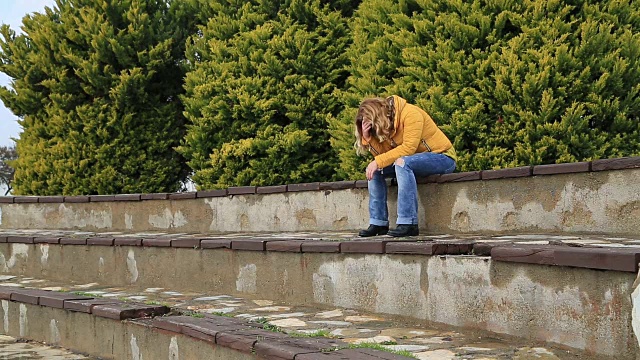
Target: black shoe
pixel 374 230
pixel 404 230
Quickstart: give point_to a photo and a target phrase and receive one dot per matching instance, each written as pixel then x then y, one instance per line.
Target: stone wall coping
pixel 241 335
pixel 614 257
pixel 484 175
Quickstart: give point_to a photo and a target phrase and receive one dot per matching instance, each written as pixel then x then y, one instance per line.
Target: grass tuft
pixel 267 326
pixel 156 303
pixel 317 333
pixel 380 347
pixel 220 313
pixel 82 293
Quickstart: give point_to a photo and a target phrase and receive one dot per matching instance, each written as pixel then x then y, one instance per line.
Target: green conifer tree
pixel 260 92
pixel 511 83
pixel 374 60
pixel 96 84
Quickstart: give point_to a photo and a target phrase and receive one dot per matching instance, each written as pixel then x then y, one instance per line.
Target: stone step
pixel 539 287
pixel 596 197
pixel 284 331
pixel 12 348
pixel 586 251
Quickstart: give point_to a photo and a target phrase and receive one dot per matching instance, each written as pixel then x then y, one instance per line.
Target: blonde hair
pixel 378 112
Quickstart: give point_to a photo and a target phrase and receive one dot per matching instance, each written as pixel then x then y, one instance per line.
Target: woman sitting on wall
pixel 406 143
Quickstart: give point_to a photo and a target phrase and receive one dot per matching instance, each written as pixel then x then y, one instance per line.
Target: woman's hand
pixel 366 130
pixel 371 169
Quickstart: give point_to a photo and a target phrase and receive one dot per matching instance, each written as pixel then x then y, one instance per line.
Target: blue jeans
pixel 422 164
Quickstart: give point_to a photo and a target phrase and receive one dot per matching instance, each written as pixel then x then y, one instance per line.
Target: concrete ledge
pixel 618 259
pixel 623 257
pixel 507 173
pixel 211 193
pixel 182 196
pixel 106 338
pixel 590 197
pixel 586 309
pixel 25 199
pixel 616 164
pixel 304 187
pixel 241 190
pixel 550 169
pixel 156 196
pixel 271 189
pixel 568 168
pixel 72 321
pixel 463 176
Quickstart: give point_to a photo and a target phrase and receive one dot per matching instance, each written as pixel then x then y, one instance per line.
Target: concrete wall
pixel 590 202
pixel 585 309
pixel 604 202
pixel 105 338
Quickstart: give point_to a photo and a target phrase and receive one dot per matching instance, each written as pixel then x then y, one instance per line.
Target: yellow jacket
pixel 414 131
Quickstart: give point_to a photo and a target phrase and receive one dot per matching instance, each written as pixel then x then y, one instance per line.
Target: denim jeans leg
pixel 406 170
pixel 407 196
pixel 378 211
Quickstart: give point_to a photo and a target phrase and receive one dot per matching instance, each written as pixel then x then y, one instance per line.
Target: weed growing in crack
pixel 193 314
pixel 220 313
pixel 317 333
pixel 82 293
pixel 267 326
pixel 156 303
pixel 380 347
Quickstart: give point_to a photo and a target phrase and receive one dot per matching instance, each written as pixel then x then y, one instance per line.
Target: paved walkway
pixel 423 341
pixel 578 240
pixel 11 348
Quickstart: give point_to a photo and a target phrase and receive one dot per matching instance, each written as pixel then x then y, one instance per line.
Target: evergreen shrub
pixel 512 83
pixel 96 84
pixel 260 91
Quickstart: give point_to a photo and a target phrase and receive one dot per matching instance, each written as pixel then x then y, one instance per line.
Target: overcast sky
pixel 11 12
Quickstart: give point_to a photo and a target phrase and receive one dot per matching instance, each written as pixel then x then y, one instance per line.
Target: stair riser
pixel 582 308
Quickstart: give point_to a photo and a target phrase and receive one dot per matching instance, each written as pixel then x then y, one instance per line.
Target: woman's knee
pixel 401 163
pixel 451 168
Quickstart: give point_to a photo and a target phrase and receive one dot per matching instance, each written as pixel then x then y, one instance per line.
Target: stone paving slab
pixel 277 322
pixel 105 238
pixel 11 348
pixel 585 251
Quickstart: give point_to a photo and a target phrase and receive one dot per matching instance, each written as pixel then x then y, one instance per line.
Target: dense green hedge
pixel 512 83
pixel 129 96
pixel 260 91
pixel 97 84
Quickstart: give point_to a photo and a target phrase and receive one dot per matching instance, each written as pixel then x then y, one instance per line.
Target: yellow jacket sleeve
pixel 413 123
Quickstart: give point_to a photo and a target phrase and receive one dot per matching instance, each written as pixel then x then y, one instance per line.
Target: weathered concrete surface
pixel 635 316
pixel 105 338
pixel 566 306
pixel 275 212
pixel 597 202
pixel 423 339
pixel 606 202
pixel 602 202
pixel 585 309
pixel 12 348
